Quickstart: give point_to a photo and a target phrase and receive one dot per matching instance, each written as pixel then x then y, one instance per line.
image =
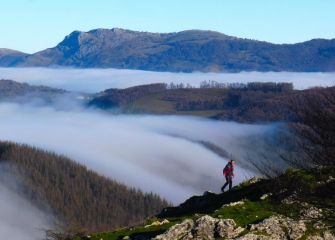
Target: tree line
pixel 74 194
pixel 233 95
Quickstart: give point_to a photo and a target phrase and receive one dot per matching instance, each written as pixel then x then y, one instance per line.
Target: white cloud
pixel 154 153
pixel 94 80
pixel 19 219
pixel 141 151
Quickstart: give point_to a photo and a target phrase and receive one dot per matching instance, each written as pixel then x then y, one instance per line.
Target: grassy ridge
pixel 311 188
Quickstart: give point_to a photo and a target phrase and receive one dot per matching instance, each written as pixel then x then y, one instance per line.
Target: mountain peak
pixel 71 39
pixel 185 51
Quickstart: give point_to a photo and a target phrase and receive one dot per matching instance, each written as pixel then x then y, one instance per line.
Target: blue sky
pixel 33 25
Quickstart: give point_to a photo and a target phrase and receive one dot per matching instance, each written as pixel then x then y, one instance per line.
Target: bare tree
pixel 315 125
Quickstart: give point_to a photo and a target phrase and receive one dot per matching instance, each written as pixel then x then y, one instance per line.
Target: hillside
pixel 296 205
pixel 185 51
pixel 116 98
pixel 75 195
pixel 252 103
pixel 15 91
pixel 10 57
pixel 283 107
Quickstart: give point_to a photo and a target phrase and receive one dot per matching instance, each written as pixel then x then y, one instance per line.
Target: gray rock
pixel 251 236
pixel 325 236
pixel 178 231
pixel 279 227
pixel 206 228
pixel 311 213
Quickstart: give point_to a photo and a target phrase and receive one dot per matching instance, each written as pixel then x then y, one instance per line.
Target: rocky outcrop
pixel 178 231
pixel 269 209
pixel 206 228
pixel 186 51
pixel 276 228
pixel 311 213
pixel 157 223
pixel 324 236
pixel 272 228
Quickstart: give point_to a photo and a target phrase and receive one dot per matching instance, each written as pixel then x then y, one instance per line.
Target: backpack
pixel 227 168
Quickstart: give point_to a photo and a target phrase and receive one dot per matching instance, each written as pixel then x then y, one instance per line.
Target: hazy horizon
pixel 92 80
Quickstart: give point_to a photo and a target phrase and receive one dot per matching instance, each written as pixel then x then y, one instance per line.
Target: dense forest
pixel 213 99
pixel 75 195
pixel 249 103
pixel 250 108
pixel 232 96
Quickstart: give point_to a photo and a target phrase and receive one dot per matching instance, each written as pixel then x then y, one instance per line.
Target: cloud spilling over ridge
pixel 95 80
pixel 19 220
pixel 155 153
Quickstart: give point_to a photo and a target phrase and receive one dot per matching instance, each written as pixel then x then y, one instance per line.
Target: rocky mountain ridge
pixel 185 51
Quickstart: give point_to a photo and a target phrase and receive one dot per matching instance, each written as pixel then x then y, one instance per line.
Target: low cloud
pixel 161 154
pixel 95 80
pixel 19 219
pixel 154 153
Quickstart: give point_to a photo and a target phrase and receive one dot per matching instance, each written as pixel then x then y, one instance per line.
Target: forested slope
pixel 75 195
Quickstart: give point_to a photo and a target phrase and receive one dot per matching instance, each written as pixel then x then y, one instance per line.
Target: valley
pixel 167 120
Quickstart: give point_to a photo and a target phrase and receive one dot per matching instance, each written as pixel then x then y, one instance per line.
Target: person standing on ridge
pixel 228 173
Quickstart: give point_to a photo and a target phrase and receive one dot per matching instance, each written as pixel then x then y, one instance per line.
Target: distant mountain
pixel 11 91
pixel 10 88
pixel 10 57
pixel 185 51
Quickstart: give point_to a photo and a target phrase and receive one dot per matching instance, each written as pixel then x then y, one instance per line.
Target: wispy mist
pixel 162 154
pixel 19 219
pixel 94 80
pixel 155 153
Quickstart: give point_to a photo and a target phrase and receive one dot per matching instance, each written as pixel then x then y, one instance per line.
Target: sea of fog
pixel 94 80
pixel 160 154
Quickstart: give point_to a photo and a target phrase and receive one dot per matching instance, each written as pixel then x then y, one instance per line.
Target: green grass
pixel 248 213
pixel 289 210
pixel 131 232
pixel 253 210
pixel 157 104
pixel 151 104
pixel 304 176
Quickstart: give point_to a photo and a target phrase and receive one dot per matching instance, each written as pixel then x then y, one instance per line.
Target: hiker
pixel 228 172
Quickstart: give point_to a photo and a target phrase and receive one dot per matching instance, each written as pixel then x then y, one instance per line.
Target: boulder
pixel 279 227
pixel 206 228
pixel 178 231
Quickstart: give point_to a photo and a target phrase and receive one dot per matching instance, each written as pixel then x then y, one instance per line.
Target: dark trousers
pixel 229 180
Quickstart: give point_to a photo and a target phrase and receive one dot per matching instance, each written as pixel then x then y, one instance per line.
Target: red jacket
pixel 228 170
